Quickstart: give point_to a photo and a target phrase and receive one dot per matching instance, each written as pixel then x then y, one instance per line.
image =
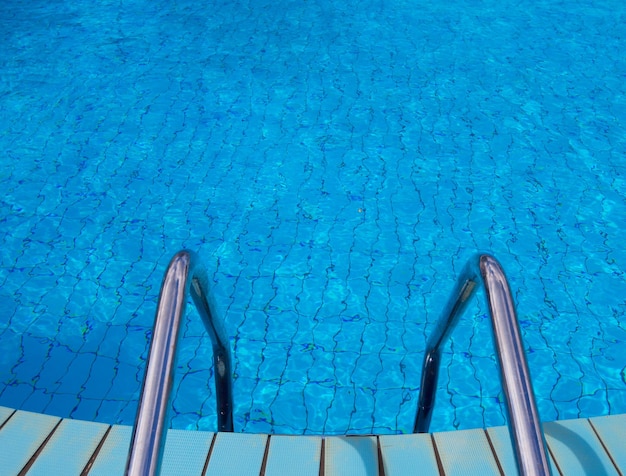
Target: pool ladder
pixel 524 425
pixel 148 437
pixel 149 431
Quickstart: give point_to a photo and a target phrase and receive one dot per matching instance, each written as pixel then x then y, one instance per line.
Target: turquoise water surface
pixel 334 164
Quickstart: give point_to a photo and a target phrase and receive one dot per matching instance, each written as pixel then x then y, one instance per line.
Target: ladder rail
pixel 149 431
pixel 523 422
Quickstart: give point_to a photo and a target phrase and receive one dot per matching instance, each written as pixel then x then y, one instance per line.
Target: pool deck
pixel 32 443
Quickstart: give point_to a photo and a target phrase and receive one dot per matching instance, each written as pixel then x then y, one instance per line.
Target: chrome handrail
pixel 148 440
pixel 524 424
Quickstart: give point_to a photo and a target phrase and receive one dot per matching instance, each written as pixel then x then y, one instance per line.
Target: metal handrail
pixel 524 425
pixel 148 440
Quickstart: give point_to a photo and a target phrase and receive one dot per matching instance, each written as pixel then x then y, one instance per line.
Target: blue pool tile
pixel 77 373
pixel 110 405
pixel 40 398
pixel 62 404
pixel 100 378
pixel 126 386
pixel 55 366
pixel 288 408
pixel 15 390
pixel 313 195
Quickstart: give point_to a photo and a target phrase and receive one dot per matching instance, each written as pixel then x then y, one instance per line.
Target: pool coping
pixel 43 444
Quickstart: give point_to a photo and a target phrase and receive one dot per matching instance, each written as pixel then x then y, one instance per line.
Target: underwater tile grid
pixel 334 164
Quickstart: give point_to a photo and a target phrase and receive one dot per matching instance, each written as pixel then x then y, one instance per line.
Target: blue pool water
pixel 334 164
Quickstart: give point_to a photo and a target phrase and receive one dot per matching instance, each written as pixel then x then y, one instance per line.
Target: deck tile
pixel 466 453
pixel 612 431
pixel 351 456
pixel 185 452
pixel 237 453
pixel 406 455
pixel 576 448
pixel 294 455
pixel 69 449
pixel 501 440
pixel 574 444
pixel 112 456
pixel 5 413
pixel 20 438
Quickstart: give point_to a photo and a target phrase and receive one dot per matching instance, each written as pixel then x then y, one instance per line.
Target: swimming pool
pixel 334 165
